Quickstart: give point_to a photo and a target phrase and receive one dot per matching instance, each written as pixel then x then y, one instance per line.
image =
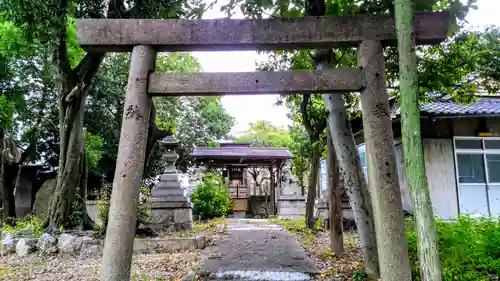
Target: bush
pixel 32 224
pixel 469 249
pixel 210 198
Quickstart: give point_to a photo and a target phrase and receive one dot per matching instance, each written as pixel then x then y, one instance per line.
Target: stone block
pixel 148 245
pixel 183 215
pixel 170 219
pixel 25 246
pixel 292 198
pixel 169 178
pixel 112 35
pixel 169 193
pixel 292 209
pixel 174 198
pixel 91 248
pixel 157 204
pixel 8 244
pixel 47 244
pixel 43 198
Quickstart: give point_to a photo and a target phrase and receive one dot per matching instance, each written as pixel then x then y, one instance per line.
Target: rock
pixel 25 246
pixel 65 243
pixel 47 244
pixel 78 243
pixel 90 251
pixel 8 244
pixel 43 198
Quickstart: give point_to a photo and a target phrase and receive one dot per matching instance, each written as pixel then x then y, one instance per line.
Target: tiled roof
pixel 452 108
pixel 480 107
pixel 242 152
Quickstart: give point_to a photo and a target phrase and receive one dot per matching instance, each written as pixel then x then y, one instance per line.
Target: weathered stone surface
pixel 291 207
pixel 91 248
pixel 172 193
pixel 47 244
pixel 267 34
pixel 171 219
pixel 170 179
pixel 289 82
pixel 43 198
pixel 25 246
pixel 149 245
pixel 8 244
pixel 65 243
pixel 117 255
pixel 78 243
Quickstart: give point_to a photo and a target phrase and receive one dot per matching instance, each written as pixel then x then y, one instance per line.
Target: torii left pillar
pixel 117 258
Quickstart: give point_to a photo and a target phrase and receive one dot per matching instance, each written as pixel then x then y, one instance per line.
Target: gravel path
pixel 257 250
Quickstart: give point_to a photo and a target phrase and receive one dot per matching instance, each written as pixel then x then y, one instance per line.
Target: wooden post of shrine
pixel 273 189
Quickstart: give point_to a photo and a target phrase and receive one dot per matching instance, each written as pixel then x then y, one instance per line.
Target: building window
pixel 477 163
pixel 362 157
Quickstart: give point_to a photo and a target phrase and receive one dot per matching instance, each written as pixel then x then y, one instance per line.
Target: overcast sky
pixel 247 109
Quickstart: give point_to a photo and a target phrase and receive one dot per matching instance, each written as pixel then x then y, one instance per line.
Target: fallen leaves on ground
pixel 145 267
pixel 341 267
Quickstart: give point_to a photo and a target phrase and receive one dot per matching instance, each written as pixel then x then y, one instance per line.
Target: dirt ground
pixel 331 266
pixel 145 267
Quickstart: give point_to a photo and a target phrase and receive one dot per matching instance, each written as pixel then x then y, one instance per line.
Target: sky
pixel 247 109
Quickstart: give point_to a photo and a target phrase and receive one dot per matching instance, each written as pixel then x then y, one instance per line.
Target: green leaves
pixel 210 198
pixel 93 147
pixel 6 113
pixel 75 52
pixel 265 134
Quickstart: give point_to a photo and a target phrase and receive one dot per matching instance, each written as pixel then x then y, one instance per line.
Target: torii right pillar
pixel 382 168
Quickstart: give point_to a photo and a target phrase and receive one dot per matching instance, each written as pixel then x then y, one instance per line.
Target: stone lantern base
pixel 291 206
pixel 171 208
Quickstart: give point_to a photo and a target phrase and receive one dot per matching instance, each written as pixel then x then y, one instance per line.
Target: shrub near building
pixel 210 198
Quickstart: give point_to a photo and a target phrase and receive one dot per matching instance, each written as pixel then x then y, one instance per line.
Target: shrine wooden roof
pixel 240 153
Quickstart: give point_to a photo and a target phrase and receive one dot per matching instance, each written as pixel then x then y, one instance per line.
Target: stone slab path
pixel 257 250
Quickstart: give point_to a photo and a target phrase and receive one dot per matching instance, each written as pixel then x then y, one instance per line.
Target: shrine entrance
pixel 252 175
pixel 146 37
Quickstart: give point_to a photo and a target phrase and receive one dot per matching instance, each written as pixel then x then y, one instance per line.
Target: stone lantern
pixel 170 205
pixel 170 144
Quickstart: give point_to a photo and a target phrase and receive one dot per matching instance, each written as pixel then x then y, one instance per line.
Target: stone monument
pixel 170 204
pixel 291 204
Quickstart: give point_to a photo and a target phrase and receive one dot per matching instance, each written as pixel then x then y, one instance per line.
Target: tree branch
pixel 60 52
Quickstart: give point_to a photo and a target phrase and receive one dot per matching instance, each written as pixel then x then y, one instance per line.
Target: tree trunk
pixel 302 187
pixel 382 169
pixel 313 182
pixel 354 180
pixel 122 221
pixel 70 172
pixel 334 200
pixel 430 265
pixel 8 175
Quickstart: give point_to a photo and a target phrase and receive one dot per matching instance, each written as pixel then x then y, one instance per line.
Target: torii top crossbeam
pixel 120 35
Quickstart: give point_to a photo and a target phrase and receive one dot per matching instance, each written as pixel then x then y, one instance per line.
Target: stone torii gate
pixel 146 37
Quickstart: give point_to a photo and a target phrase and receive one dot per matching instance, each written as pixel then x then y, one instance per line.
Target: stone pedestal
pixel 169 201
pixel 291 206
pixel 322 211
